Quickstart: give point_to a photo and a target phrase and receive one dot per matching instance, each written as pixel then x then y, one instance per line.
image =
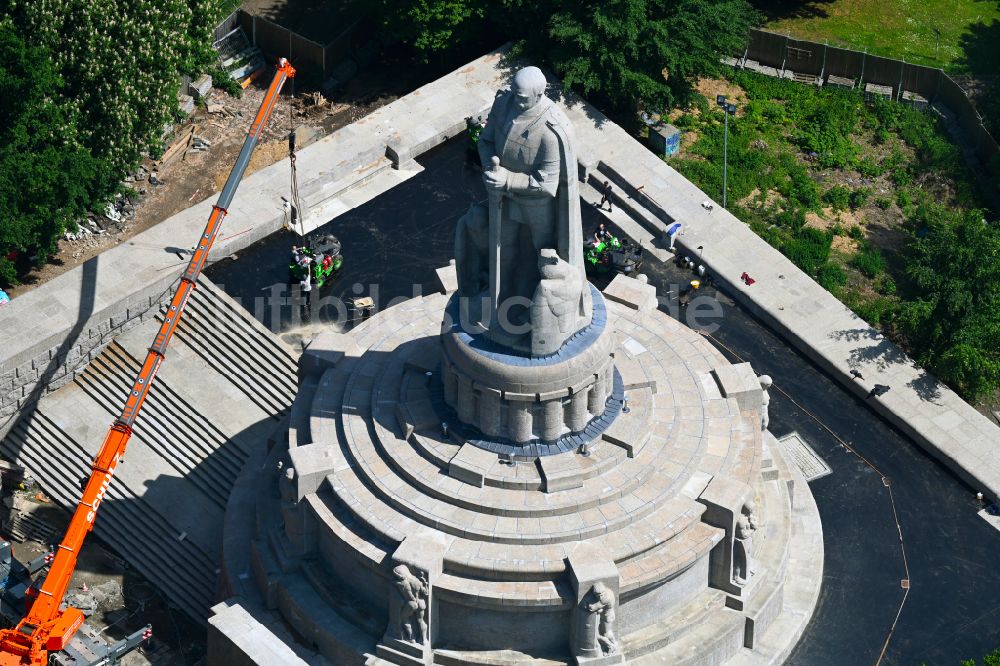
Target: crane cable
pixel 870 464
pixel 296 215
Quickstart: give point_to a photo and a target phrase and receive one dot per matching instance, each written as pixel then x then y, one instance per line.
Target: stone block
pixel 561 472
pixel 632 293
pixel 397 151
pixel 740 382
pixel 236 638
pixel 59 382
pixel 422 554
pixel 595 580
pixel 312 463
pixel 416 415
pixel 447 277
pixel 724 499
pixel 200 86
pixel 471 464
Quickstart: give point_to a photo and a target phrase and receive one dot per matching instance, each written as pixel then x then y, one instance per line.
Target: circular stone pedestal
pixel 517 398
pixel 379 539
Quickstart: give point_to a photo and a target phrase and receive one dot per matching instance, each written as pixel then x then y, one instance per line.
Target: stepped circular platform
pixel 668 537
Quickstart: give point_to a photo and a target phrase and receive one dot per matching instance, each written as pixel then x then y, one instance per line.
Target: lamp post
pixel 730 110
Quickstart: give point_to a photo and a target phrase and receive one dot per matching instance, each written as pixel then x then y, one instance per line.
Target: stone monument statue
pixel 408 607
pixel 743 544
pixel 519 260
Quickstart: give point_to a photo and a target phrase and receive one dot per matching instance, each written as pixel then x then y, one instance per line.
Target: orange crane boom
pixel 46 628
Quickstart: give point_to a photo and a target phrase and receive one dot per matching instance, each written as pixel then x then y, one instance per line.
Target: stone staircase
pixel 226 337
pixel 225 380
pixel 186 444
pixel 133 528
pixel 387 474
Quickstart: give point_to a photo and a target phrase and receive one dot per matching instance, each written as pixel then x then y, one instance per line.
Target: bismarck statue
pixel 520 259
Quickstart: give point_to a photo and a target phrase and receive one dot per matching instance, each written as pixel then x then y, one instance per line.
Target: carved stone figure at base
pixel 596 636
pixel 743 544
pixel 408 606
pixel 765 401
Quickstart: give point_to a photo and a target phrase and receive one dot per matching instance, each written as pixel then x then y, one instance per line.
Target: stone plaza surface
pixel 366 474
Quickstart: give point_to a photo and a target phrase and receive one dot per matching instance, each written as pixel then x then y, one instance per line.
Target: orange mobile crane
pixel 46 628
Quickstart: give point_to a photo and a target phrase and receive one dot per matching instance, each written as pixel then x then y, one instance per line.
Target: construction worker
pixel 473 128
pixel 672 232
pixel 689 291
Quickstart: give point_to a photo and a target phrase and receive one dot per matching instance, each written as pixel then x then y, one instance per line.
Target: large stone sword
pixel 496 201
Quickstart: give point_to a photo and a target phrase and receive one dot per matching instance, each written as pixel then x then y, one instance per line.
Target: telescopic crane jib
pixel 46 628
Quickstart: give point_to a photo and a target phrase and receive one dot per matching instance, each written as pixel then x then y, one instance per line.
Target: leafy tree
pixel 628 52
pixel 992 659
pixel 954 318
pixel 430 26
pixel 47 178
pixel 634 52
pixel 91 94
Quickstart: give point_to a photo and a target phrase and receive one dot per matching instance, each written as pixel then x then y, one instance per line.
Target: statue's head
pixel 765 381
pixel 529 86
pixel 401 571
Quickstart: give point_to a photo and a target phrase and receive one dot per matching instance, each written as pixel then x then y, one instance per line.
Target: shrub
pixel 685 121
pixel 831 276
pixel 901 176
pixel 869 261
pixel 885 285
pixel 809 248
pixel 792 218
pixel 826 128
pixel 803 190
pixel 869 168
pixel 838 196
pixel 883 202
pixel 859 197
pixel 875 311
pixel 856 232
pixel 903 199
pixel 224 82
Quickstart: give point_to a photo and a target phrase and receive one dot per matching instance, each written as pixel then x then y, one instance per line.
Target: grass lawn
pixel 894 28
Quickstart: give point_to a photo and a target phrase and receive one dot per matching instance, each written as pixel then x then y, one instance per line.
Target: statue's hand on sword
pixel 496 176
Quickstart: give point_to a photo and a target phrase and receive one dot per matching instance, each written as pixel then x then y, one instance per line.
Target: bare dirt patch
pixel 712 88
pixel 757 199
pixel 844 245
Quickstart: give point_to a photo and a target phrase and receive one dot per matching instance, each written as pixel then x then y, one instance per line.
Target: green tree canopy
pixel 955 314
pixel 627 52
pixel 430 26
pixel 88 87
pixel 637 52
pixel 47 178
